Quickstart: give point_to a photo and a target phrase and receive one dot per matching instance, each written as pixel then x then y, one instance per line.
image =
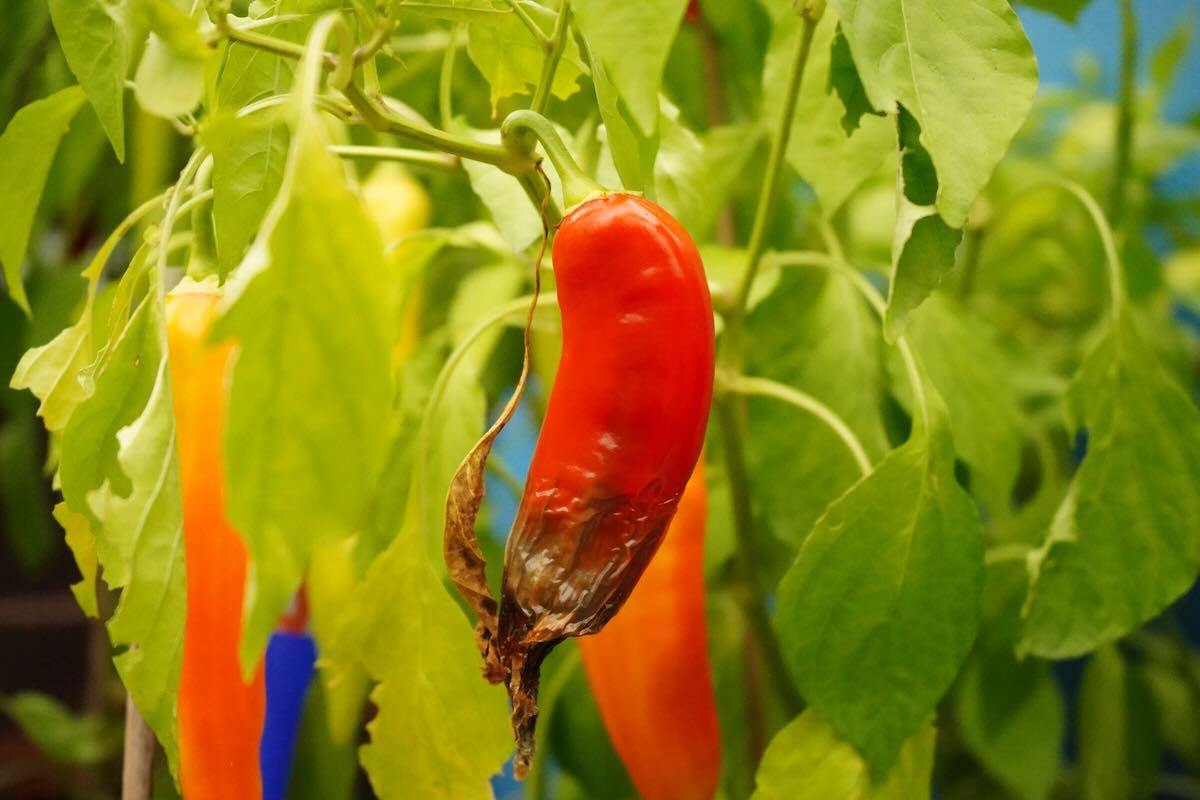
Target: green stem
pixel 1116 276
pixel 1126 100
pixel 446 80
pixel 520 133
pixel 730 412
pixel 381 118
pixel 749 590
pixel 420 158
pixel 541 97
pixel 774 175
pixel 763 387
pixel 530 23
pixel 159 265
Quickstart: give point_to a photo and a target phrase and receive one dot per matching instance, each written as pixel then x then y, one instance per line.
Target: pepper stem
pixel 523 130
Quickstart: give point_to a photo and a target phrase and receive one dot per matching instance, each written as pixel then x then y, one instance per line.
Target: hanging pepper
pixel 623 429
pixel 220 714
pixel 649 668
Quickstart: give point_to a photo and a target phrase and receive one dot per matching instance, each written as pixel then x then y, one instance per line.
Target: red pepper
pixel 622 432
pixel 649 667
pixel 220 714
pixel 693 12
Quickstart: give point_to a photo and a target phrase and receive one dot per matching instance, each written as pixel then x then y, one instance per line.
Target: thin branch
pixel 541 97
pixel 137 770
pixel 530 23
pixel 1126 102
pixel 420 158
pixel 763 387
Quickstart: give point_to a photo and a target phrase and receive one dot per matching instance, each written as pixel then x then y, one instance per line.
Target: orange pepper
pixel 649 667
pixel 220 714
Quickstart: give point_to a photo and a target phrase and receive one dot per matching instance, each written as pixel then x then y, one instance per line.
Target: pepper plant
pixel 954 441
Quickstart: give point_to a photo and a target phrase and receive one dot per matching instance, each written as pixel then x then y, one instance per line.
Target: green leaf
pixel 249 155
pixel 52 372
pixel 833 162
pixel 472 12
pixel 1118 746
pixel 695 173
pixel 89 455
pixel 968 78
pixel 133 494
pixel 631 42
pixel 169 83
pixel 923 245
pixel 82 543
pixel 147 627
pixel 510 58
pixel 27 149
pixel 633 152
pixel 975 377
pixel 94 35
pixel 881 605
pixel 63 736
pixel 815 333
pixel 1010 712
pixel 175 28
pixel 1124 543
pixel 248 162
pixel 1067 10
pixel 807 759
pixel 441 730
pixel 313 310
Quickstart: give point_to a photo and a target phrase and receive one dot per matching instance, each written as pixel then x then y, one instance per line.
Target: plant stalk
pixel 137 769
pixel 730 412
pixel 558 38
pixel 1126 100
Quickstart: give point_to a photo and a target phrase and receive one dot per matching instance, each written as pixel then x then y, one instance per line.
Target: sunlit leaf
pixel 968 78
pixel 819 148
pixel 52 372
pixel 511 60
pixel 82 543
pixel 94 35
pixel 441 729
pixel 312 308
pixel 169 83
pixel 27 149
pixel 632 41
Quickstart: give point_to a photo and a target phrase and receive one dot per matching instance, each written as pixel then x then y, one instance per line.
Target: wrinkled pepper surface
pixel 220 713
pixel 649 668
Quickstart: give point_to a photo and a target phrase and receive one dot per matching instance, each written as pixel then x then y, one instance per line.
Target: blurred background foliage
pixel 1016 316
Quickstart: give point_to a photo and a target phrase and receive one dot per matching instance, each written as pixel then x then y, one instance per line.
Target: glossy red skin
pixel 649 667
pixel 220 714
pixel 624 424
